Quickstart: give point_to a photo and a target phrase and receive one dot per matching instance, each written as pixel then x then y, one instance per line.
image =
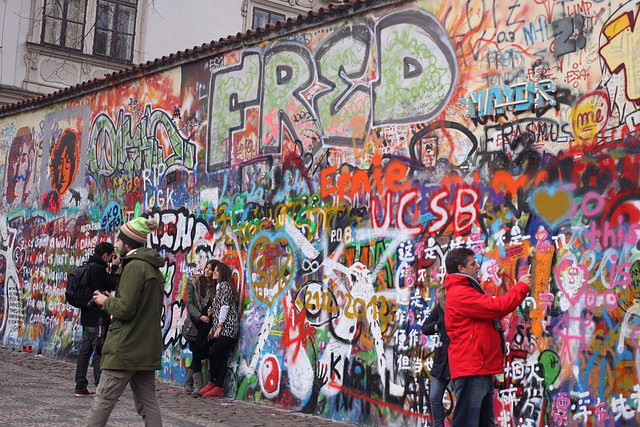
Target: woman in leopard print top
pixel 223 329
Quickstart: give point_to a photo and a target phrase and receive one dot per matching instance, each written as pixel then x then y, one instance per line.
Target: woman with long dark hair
pixel 201 290
pixel 224 328
pixel 440 374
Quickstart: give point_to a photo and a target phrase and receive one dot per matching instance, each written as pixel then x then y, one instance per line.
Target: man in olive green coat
pixel 132 351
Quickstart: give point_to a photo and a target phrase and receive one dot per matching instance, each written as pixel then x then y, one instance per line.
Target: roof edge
pixel 333 11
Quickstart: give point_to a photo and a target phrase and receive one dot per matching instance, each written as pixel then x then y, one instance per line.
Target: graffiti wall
pixel 333 166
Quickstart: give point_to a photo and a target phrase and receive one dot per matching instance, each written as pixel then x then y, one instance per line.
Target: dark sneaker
pixel 84 393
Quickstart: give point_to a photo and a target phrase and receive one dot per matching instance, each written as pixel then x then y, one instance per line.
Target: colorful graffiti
pixel 333 168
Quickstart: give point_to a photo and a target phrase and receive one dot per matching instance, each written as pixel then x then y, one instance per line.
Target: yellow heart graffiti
pixel 552 207
pixel 271 268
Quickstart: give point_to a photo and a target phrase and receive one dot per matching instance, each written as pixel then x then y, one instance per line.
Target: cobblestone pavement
pixel 38 391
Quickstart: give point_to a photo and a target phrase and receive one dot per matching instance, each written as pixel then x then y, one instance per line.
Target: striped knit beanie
pixel 138 229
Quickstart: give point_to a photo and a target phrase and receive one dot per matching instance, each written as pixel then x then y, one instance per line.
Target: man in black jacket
pixel 94 321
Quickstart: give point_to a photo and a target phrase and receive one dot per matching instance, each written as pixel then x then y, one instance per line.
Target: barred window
pixel 63 23
pixel 115 29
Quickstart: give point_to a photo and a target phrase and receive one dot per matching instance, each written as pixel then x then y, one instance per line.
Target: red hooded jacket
pixel 475 347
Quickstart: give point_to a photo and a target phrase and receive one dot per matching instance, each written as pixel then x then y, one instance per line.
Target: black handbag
pixel 189 330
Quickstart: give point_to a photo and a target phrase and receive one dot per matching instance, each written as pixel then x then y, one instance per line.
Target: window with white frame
pixel 115 29
pixel 262 17
pixel 63 23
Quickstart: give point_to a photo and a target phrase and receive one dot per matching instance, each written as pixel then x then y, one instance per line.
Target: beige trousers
pixel 111 387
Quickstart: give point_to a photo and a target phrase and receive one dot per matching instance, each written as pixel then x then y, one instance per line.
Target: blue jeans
pixel 474 401
pixel 87 347
pixel 436 393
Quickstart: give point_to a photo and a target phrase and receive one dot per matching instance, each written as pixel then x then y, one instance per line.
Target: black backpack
pixel 79 293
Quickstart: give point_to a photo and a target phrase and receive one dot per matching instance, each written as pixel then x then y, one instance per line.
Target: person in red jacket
pixel 476 350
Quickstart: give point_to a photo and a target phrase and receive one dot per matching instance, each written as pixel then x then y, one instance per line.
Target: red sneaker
pixel 206 389
pixel 215 392
pixel 84 393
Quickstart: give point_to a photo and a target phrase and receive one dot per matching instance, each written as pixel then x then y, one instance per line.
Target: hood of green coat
pixel 146 254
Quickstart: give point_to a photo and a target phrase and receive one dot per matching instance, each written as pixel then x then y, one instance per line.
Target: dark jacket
pixel 440 367
pixel 195 310
pixel 134 341
pixel 194 289
pixel 475 347
pixel 101 280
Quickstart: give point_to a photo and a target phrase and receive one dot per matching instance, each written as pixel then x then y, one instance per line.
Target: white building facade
pixel 47 45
